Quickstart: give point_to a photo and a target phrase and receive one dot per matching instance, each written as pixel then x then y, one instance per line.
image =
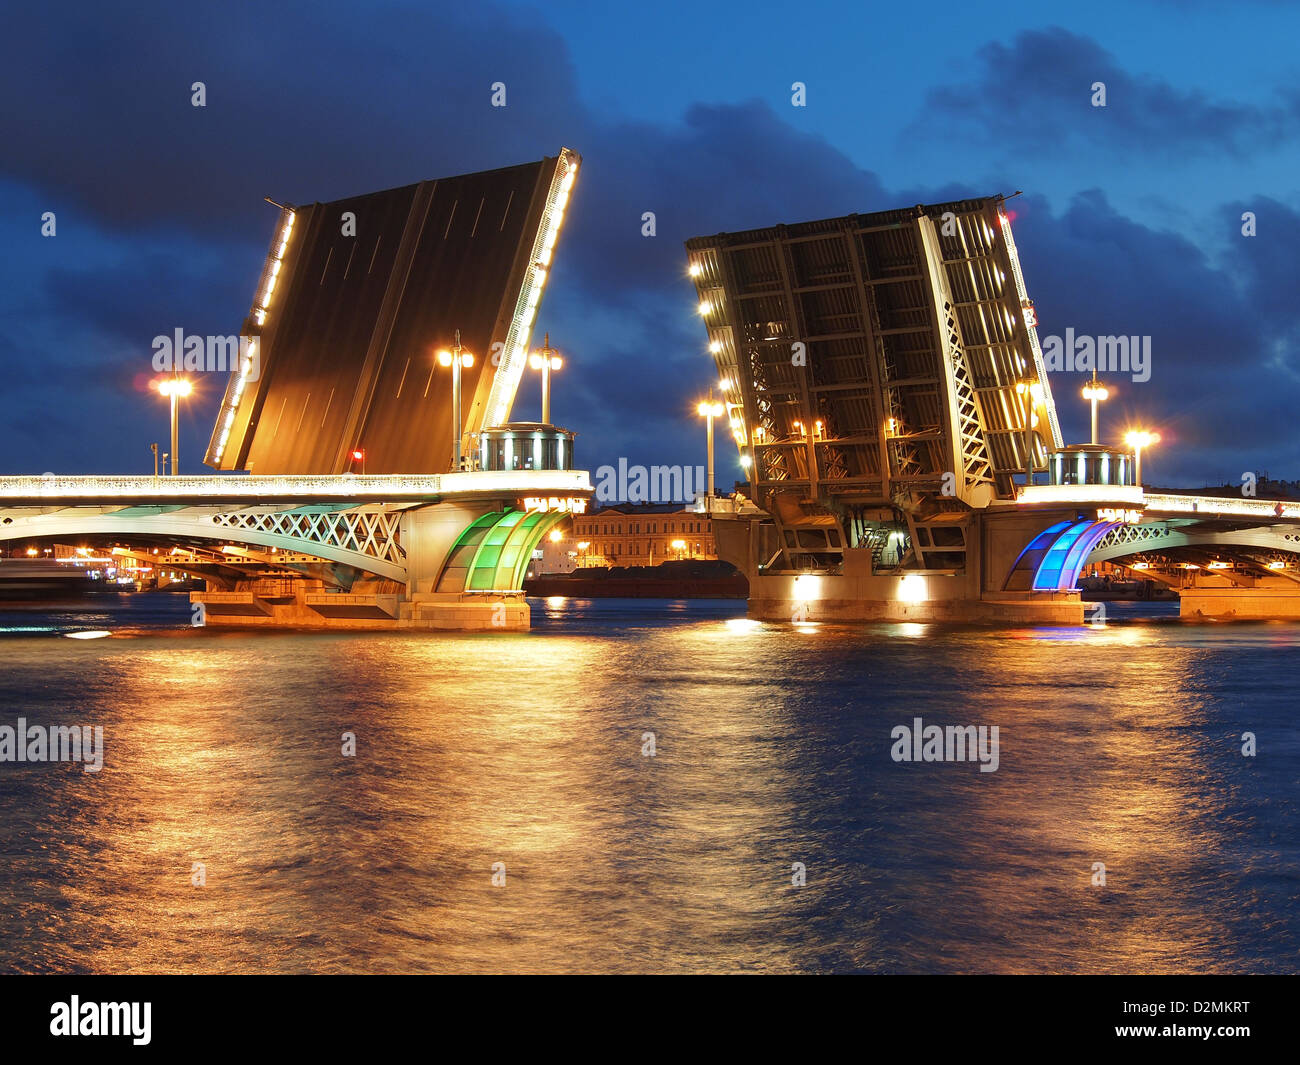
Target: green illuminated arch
pixel 493 553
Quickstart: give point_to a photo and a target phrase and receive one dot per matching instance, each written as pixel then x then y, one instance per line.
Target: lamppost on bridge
pixel 1032 390
pixel 1095 392
pixel 546 359
pixel 154 449
pixel 1138 439
pixel 175 387
pixel 708 410
pixel 456 358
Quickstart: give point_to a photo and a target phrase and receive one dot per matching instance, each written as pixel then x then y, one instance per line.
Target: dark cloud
pixel 722 169
pixel 154 293
pixel 304 102
pixel 1218 393
pixel 307 103
pixel 1036 94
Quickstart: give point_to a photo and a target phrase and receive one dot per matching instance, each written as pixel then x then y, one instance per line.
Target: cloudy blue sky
pixel 1130 222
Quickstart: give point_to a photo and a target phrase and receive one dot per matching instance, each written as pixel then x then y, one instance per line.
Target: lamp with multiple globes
pixel 1138 439
pixel 1095 393
pixel 708 410
pixel 546 359
pixel 174 388
pixel 456 358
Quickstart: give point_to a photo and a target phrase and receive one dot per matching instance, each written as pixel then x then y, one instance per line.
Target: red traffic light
pixel 359 455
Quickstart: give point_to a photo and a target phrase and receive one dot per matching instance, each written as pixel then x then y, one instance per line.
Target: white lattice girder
pixel 369 532
pixel 1125 540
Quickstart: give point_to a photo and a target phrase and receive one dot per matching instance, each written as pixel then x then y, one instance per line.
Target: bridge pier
pixel 919 595
pixel 463 573
pixel 1278 601
pixel 308 609
pixel 989 542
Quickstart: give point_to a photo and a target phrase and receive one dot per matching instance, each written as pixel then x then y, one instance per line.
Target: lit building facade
pixel 628 534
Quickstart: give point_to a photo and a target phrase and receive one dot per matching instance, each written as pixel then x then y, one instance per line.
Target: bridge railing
pixel 1267 510
pixel 378 487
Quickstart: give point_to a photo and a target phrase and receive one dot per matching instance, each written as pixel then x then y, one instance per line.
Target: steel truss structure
pixel 369 531
pixel 877 369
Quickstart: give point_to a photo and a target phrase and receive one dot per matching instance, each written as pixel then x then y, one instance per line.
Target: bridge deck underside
pixel 1181 551
pixel 334 542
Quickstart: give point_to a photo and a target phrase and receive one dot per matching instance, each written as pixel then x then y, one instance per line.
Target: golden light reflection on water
pixel 770 748
pixel 1110 789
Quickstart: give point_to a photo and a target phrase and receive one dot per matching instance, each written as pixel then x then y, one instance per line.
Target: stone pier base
pixel 1239 604
pixel 961 611
pixel 923 596
pixel 455 612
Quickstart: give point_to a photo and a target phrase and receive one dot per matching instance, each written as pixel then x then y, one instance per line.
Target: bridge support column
pixel 915 595
pixel 1267 602
pixel 442 547
pixel 464 573
pixel 854 591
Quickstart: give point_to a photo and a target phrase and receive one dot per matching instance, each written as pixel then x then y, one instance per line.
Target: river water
pixel 529 754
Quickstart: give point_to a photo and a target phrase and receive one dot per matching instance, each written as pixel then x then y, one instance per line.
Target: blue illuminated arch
pixel 1056 555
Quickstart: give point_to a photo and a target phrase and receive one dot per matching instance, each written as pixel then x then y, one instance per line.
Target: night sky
pixel 1130 222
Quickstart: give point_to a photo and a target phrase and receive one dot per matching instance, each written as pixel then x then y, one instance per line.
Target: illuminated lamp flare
pixel 708 410
pixel 174 388
pixel 546 359
pixel 1033 393
pixel 1138 439
pixel 456 358
pixel 1095 393
pixel 912 589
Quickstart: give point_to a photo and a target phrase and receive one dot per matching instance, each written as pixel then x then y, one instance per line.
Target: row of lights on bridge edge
pixel 1094 392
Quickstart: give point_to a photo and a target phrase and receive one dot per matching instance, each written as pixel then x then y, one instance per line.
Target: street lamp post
pixel 154 449
pixel 175 387
pixel 709 409
pixel 546 359
pixel 1033 393
pixel 1095 393
pixel 456 358
pixel 1137 440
